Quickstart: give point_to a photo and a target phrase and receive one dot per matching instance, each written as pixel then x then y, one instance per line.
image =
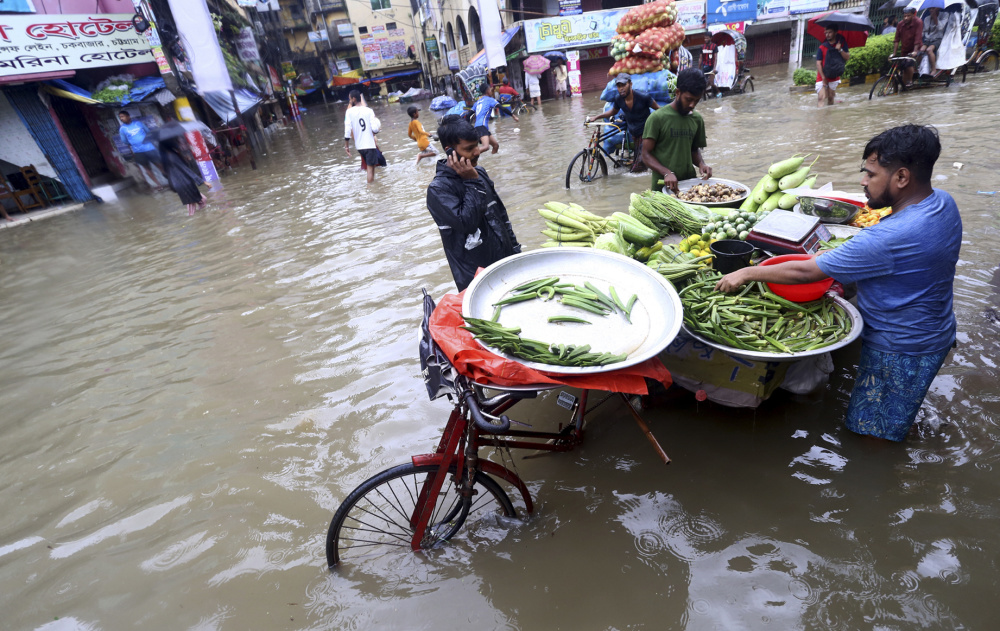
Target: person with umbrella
pixel 534 66
pixel 935 25
pixel 831 59
pixel 183 178
pixel 909 38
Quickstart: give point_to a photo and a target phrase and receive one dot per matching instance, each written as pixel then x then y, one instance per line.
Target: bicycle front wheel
pixel 378 517
pixel 989 63
pixel 883 87
pixel 587 166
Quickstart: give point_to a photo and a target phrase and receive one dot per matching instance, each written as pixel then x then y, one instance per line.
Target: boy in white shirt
pixel 361 124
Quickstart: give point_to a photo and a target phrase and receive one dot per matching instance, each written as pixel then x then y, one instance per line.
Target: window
pixel 451 36
pixel 462 36
pixel 363 29
pixel 390 26
pixel 380 5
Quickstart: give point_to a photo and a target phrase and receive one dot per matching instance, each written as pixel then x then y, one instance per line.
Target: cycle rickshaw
pixel 982 58
pixel 729 74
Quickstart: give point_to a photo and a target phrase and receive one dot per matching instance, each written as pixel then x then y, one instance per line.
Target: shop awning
pixel 392 75
pixel 505 38
pixel 142 88
pixel 222 103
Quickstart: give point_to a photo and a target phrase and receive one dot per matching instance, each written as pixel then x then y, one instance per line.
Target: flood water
pixel 186 400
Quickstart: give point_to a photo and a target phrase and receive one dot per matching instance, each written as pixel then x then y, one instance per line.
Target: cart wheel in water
pixel 883 87
pixel 375 517
pixel 587 166
pixel 746 86
pixel 990 62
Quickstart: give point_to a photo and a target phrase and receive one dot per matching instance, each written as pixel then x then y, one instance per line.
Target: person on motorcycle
pixel 635 106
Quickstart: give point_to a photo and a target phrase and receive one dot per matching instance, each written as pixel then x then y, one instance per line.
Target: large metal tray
pixel 656 316
pixel 856 325
pixel 684 185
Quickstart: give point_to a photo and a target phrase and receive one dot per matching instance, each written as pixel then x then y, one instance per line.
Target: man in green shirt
pixel 675 135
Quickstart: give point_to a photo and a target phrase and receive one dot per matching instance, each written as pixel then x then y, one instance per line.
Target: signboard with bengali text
pixel 807 6
pixel 691 15
pixel 593 28
pixel 49 43
pixel 722 11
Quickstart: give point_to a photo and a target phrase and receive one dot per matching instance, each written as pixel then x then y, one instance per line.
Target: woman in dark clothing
pixel 183 179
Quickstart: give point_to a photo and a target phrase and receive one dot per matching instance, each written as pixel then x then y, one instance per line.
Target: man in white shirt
pixel 361 124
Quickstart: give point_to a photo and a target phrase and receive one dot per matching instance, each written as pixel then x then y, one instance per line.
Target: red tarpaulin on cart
pixel 484 367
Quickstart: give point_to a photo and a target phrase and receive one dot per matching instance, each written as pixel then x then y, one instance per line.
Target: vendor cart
pixel 425 502
pixel 729 74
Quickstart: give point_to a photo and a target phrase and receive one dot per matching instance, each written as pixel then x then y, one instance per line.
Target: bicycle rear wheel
pixel 376 517
pixel 989 63
pixel 588 165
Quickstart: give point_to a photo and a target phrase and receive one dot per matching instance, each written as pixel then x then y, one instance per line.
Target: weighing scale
pixel 785 232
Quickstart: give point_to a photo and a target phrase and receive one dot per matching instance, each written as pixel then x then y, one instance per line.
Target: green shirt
pixel 676 137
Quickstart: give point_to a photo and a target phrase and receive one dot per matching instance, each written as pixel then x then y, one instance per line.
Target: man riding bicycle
pixel 635 106
pixel 909 39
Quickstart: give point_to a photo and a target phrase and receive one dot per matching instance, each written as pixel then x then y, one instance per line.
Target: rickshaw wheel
pixel 746 86
pixel 883 87
pixel 990 62
pixel 588 165
pixel 375 517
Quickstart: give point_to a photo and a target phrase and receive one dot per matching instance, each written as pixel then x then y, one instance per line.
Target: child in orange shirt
pixel 416 132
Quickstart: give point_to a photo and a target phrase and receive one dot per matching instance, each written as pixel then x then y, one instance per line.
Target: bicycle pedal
pixel 566 400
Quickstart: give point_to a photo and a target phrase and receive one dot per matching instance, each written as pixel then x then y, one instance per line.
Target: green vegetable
pixel 794 180
pixel 787 202
pixel 779 170
pixel 761 193
pixel 770 184
pixel 571 319
pixel 772 202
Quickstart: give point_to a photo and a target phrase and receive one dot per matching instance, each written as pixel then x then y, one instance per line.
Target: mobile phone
pixel 449 151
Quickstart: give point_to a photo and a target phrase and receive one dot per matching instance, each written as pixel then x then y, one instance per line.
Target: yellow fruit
pixel 695 238
pixel 684 246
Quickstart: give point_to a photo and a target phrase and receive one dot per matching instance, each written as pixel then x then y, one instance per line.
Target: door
pixel 76 128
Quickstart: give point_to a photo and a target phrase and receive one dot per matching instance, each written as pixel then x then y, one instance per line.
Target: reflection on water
pixel 187 400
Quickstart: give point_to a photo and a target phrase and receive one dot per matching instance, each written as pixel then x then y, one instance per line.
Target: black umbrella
pixel 844 21
pixel 173 129
pixel 892 5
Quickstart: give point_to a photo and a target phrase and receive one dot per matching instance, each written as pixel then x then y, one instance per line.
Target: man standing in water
pixel 675 135
pixel 483 110
pixel 360 123
pixel 144 153
pixel 831 60
pixel 635 106
pixel 475 229
pixel 904 295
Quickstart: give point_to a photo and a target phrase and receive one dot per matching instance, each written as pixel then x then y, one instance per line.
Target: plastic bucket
pixel 730 255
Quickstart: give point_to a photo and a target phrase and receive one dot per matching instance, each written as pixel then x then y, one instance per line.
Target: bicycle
pixel 592 163
pixel 425 502
pixel 892 82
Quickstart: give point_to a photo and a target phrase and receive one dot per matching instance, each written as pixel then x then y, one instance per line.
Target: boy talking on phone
pixel 475 229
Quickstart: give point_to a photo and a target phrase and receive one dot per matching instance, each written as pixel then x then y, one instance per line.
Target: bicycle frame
pixel 599 136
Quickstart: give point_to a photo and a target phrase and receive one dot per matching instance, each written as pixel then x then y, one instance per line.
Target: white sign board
pixel 246 45
pixel 48 43
pixel 691 15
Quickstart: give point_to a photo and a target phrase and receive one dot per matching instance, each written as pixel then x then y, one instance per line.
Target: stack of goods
pixel 646 36
pixel 733 225
pixel 759 320
pixel 570 225
pixel 769 193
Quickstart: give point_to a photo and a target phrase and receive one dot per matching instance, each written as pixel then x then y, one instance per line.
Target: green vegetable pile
pixel 758 320
pixel 804 76
pixel 769 193
pixel 587 298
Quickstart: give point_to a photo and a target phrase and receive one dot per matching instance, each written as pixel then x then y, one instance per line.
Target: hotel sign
pixel 49 43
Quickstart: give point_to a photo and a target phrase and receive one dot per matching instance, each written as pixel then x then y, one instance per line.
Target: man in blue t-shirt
pixel 905 292
pixel 635 106
pixel 483 108
pixel 144 153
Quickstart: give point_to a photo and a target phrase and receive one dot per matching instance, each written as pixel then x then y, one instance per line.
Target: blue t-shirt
pixel 483 107
pixel 135 135
pixel 905 270
pixel 635 116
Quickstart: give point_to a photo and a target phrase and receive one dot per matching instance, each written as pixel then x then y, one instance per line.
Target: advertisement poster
pixel 572 31
pixel 31 43
pixel 432 47
pixel 246 45
pixel 570 7
pixel 453 60
pixel 771 9
pixel 344 29
pixel 691 15
pixel 721 11
pixel 739 27
pixel 573 64
pixel 808 6
pixel 373 59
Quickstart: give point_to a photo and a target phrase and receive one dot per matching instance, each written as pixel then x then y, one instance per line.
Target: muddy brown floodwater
pixel 186 400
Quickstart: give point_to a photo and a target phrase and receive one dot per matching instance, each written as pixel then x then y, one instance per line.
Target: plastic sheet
pixel 652 83
pixel 484 367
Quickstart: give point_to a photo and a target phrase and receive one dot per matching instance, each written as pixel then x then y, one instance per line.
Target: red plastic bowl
pixel 797 293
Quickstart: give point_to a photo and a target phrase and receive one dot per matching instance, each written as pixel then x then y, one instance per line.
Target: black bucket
pixel 730 255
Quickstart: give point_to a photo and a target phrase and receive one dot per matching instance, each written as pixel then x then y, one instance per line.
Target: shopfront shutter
pixel 37 119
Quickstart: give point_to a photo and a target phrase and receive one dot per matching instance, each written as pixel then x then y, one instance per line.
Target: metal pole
pixel 239 119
